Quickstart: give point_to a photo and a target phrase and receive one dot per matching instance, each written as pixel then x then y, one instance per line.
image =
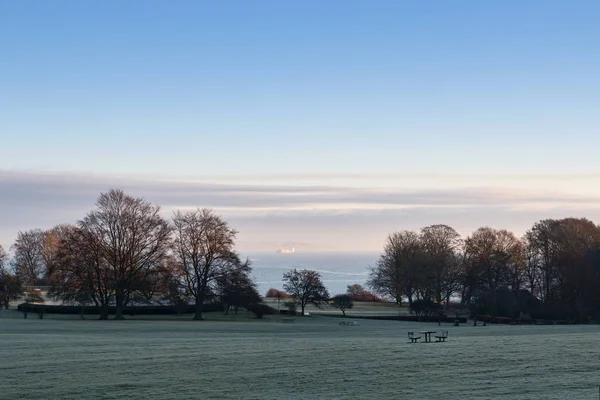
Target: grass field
pixel 314 358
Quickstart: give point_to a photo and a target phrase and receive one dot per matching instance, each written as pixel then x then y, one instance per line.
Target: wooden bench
pixel 412 337
pixel 442 337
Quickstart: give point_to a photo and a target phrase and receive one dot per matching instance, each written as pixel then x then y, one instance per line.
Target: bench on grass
pixel 412 337
pixel 442 337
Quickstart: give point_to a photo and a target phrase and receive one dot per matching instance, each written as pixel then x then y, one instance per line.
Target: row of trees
pixel 123 252
pixel 557 262
pixel 306 287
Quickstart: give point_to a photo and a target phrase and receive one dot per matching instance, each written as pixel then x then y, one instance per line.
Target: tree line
pixel 123 252
pixel 552 271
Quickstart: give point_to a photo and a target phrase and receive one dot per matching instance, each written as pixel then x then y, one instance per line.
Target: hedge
pixel 132 310
pixel 409 318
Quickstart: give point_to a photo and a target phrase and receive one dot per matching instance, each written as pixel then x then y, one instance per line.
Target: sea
pixel 338 270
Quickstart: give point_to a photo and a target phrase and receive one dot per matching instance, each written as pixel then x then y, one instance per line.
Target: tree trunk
pixel 302 305
pixel 344 313
pixel 120 298
pixel 119 305
pixel 103 312
pixel 199 306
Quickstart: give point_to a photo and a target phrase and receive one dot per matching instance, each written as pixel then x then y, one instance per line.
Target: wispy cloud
pixel 320 215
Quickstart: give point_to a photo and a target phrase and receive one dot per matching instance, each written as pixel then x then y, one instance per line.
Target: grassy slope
pixel 315 358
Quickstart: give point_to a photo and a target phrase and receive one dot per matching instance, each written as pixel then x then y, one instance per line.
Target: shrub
pixel 342 302
pixel 261 309
pixel 275 293
pixel 366 297
pixel 425 307
pixel 291 306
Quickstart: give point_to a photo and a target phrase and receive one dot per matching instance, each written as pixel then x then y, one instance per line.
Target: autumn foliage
pixel 277 294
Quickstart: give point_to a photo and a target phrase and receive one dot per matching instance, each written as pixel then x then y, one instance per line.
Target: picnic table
pixel 427 335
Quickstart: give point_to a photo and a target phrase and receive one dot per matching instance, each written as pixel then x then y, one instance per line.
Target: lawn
pixel 313 358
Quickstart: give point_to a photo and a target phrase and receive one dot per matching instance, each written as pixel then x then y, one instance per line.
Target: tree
pixel 305 287
pixel 3 259
pixel 398 272
pixel 10 286
pixel 204 248
pixel 50 245
pixel 79 273
pixel 355 290
pixel 35 297
pixel 493 261
pixel 441 244
pixel 342 302
pixel 28 257
pixel 359 293
pixel 425 307
pixel 133 240
pixel 532 264
pixel 542 239
pixel 235 288
pixel 577 245
pixel 277 294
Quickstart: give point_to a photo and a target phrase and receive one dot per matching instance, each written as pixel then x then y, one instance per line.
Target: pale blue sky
pixel 282 93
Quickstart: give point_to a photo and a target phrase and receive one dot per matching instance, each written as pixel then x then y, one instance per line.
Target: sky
pixel 319 125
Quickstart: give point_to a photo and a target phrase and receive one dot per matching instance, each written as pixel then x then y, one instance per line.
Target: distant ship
pixel 286 251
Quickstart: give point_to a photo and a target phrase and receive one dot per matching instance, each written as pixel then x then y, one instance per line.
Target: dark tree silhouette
pixel 204 248
pixel 133 240
pixel 342 302
pixel 305 287
pixel 28 260
pixel 10 285
pixel 80 274
pixel 398 273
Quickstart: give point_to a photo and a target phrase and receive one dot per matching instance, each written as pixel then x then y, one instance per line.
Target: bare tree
pixel 398 272
pixel 79 273
pixel 204 247
pixel 50 244
pixel 494 261
pixel 133 240
pixel 305 287
pixel 355 290
pixel 3 259
pixel 28 257
pixel 342 302
pixel 542 238
pixel 235 288
pixel 441 244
